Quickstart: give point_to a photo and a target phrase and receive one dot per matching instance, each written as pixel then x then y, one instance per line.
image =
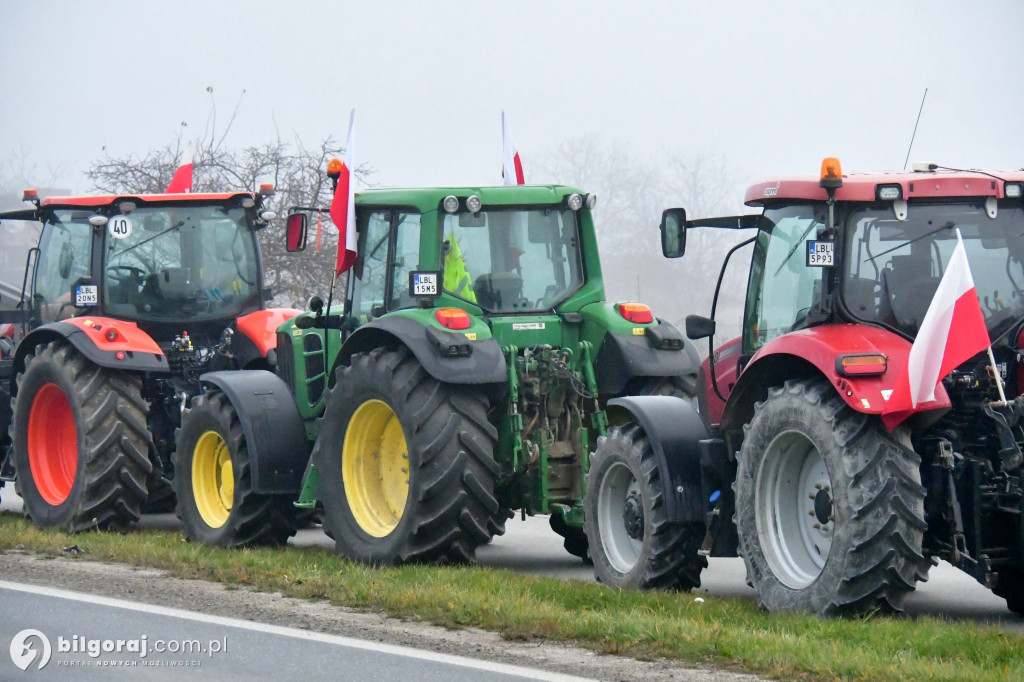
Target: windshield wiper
pixel 947 226
pixel 158 234
pixel 796 245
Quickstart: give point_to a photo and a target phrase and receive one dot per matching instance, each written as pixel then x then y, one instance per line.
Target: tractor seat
pixel 498 290
pixel 909 285
pixel 175 284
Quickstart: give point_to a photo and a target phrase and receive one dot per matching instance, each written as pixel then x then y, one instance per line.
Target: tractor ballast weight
pixel 833 511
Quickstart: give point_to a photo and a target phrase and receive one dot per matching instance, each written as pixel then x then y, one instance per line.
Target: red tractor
pixel 833 512
pixel 125 302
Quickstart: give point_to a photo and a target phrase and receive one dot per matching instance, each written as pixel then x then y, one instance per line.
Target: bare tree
pixel 296 171
pixel 631 195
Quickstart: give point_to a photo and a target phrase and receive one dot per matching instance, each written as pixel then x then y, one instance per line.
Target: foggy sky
pixel 770 86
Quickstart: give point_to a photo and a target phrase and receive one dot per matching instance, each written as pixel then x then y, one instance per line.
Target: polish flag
pixel 511 156
pixel 343 205
pixel 181 183
pixel 953 331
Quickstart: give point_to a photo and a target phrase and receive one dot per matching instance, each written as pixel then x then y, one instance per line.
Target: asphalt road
pixel 530 546
pixel 85 637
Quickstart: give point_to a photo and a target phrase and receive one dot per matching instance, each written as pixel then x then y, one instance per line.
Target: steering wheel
pixel 125 274
pixel 130 272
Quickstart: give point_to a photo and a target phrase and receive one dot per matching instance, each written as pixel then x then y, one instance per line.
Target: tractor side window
pixel 406 259
pixel 65 250
pixel 783 289
pixel 368 295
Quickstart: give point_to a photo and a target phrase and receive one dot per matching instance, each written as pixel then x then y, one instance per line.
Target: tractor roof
pixel 184 198
pixel 863 186
pixel 109 199
pixel 429 198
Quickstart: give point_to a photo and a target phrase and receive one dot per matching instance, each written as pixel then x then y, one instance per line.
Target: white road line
pixel 407 652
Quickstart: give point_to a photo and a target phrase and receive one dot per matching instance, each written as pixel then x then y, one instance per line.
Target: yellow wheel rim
pixel 213 479
pixel 375 468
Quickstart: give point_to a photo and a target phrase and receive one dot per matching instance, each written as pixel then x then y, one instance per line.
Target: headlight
pixel 889 192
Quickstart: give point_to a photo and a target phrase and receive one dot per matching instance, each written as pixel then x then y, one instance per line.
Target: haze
pixel 768 87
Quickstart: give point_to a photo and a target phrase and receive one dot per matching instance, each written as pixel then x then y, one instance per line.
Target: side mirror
pixel 295 233
pixel 673 232
pixel 698 327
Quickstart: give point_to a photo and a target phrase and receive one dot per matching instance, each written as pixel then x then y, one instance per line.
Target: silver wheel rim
pixel 793 503
pixel 617 486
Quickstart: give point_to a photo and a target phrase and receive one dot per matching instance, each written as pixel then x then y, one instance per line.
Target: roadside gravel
pixel 155 587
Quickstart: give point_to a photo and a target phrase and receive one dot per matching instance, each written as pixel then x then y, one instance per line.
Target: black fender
pixel 621 358
pixel 132 361
pixel 678 437
pixel 485 363
pixel 274 432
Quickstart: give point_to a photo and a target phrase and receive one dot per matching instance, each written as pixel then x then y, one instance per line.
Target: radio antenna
pixel 915 129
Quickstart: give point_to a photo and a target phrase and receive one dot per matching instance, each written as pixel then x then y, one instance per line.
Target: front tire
pixel 81 445
pixel 829 506
pixel 632 542
pixel 213 482
pixel 406 464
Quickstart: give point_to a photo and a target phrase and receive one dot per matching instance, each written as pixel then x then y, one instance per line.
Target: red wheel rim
pixel 52 444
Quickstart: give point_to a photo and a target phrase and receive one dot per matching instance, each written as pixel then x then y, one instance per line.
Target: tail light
pixel 861 364
pixel 452 318
pixel 637 313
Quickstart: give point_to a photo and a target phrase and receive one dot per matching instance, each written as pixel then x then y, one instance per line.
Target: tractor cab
pixel 155 260
pixel 869 249
pixel 860 432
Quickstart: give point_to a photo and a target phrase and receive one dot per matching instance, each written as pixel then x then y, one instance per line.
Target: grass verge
pixel 645 625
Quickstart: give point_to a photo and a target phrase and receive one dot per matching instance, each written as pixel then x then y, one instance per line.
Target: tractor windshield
pixel 512 260
pixel 892 267
pixel 175 262
pixel 782 287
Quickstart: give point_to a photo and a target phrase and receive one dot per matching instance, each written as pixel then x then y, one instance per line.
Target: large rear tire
pixel 829 506
pixel 81 445
pixel 213 482
pixel 632 542
pixel 406 464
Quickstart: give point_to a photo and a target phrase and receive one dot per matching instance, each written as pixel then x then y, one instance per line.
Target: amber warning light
pixel 334 167
pixel 831 173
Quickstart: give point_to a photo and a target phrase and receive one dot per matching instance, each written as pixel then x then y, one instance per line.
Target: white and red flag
pixel 343 205
pixel 953 330
pixel 512 168
pixel 182 180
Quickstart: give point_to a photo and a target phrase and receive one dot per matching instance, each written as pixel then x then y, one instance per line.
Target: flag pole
pixel 999 379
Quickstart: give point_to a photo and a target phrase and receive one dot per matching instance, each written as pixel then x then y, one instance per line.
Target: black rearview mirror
pixel 295 233
pixel 673 232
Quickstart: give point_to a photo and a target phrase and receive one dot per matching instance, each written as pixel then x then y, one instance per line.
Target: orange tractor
pixel 125 301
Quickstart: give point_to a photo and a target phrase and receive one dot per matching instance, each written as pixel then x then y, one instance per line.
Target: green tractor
pixel 465 376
